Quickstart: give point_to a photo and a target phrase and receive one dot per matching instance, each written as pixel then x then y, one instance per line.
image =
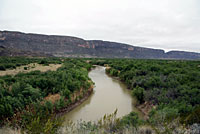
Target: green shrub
pixel 25 68
pixel 131 119
pixel 2 68
pixel 138 92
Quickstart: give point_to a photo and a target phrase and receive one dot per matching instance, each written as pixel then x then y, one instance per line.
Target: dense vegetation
pixel 23 97
pixel 172 86
pixel 13 62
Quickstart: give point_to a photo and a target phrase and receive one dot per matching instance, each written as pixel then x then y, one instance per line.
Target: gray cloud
pixel 166 24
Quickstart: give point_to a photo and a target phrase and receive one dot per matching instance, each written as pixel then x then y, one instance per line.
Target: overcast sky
pixel 165 24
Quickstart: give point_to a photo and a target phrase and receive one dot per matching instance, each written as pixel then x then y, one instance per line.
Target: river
pixel 109 94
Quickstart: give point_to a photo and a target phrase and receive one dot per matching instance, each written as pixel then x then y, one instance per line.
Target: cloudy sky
pixel 165 24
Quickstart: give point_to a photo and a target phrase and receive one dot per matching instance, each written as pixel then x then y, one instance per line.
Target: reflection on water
pixel 109 94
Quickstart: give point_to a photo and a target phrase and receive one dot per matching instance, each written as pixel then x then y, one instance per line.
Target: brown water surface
pixel 109 94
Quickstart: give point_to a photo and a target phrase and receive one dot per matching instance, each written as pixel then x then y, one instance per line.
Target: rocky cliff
pixel 50 45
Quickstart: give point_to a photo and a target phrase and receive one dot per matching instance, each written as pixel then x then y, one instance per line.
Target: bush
pixel 167 113
pixel 44 62
pixel 25 68
pixel 2 68
pixel 131 119
pixel 138 92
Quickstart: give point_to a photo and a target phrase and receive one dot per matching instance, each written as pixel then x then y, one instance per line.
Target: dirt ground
pixel 31 67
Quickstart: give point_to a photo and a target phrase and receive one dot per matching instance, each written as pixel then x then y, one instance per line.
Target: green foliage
pixel 2 68
pixel 13 62
pixel 169 84
pixel 138 92
pixel 173 86
pixel 192 117
pixel 49 106
pixel 66 93
pixel 45 62
pixel 40 125
pixel 167 114
pixel 131 119
pixel 113 72
pixel 25 68
pixel 20 92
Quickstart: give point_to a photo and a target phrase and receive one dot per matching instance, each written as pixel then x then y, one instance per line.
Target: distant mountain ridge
pixel 22 44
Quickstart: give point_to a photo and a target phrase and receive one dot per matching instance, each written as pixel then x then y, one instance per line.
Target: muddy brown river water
pixel 109 94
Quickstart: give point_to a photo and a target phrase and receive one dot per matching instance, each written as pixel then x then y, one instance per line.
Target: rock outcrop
pixel 19 44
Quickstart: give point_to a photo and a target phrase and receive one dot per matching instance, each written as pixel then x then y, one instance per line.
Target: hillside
pixel 4 51
pixel 20 44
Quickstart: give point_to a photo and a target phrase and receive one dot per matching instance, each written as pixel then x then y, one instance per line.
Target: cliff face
pixel 66 46
pixel 16 52
pixel 119 50
pixel 182 55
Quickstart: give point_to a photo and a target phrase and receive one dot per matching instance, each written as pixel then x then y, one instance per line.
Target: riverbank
pixel 75 103
pixel 36 96
pixel 144 108
pixel 109 94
